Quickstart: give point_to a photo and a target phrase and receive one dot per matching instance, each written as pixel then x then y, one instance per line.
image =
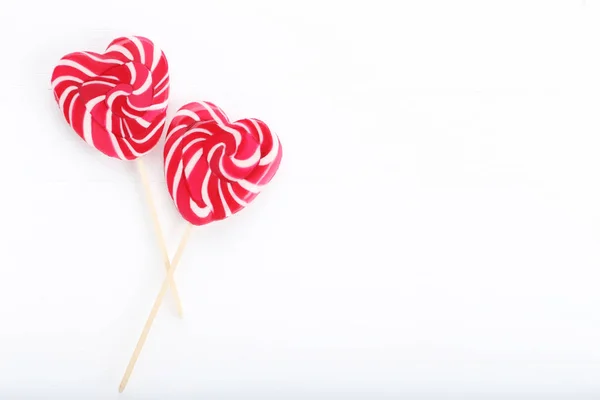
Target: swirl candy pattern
pixel 215 167
pixel 116 101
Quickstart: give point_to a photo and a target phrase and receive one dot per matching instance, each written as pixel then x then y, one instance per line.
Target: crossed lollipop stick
pixel 168 281
pixel 157 302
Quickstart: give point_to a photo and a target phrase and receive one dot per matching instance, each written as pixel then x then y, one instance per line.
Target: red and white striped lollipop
pixel 215 167
pixel 116 101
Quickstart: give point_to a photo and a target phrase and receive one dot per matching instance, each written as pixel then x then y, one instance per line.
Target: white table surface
pixel 433 231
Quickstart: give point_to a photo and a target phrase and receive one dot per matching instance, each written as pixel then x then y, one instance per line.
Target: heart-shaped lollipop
pixel 116 101
pixel 215 167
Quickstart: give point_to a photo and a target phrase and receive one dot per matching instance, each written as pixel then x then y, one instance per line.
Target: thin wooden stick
pixel 155 308
pixel 159 233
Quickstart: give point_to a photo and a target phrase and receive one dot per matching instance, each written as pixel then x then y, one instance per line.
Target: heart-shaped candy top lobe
pixel 215 167
pixel 116 101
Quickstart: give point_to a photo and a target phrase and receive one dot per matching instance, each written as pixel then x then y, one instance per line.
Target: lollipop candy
pixel 214 168
pixel 117 103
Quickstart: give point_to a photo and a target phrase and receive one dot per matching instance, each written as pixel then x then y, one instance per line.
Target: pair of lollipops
pixel 117 102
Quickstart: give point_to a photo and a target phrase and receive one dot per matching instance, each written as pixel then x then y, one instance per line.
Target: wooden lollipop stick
pixel 159 233
pixel 155 308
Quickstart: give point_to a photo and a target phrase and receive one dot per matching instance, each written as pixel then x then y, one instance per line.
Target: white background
pixel 433 231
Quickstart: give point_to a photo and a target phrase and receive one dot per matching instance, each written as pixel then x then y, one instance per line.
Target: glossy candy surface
pixel 215 167
pixel 115 101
